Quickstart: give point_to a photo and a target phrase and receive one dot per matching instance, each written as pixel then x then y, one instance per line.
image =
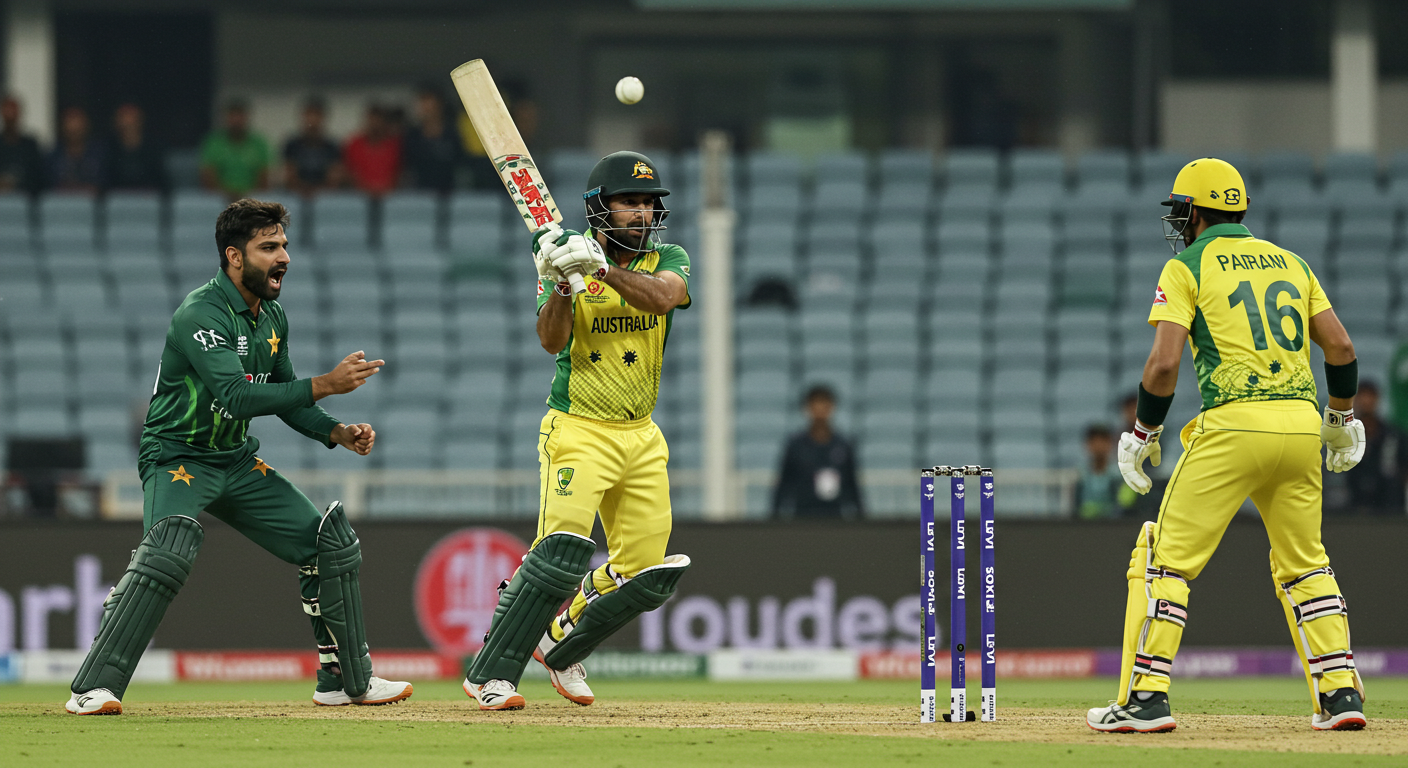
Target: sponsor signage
pixel 456 586
pixel 784 665
pixel 303 665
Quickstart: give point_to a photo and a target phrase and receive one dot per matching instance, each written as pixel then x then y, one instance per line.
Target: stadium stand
pixel 958 307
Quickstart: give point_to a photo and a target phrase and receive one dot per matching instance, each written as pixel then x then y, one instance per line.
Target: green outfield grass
pixel 33 730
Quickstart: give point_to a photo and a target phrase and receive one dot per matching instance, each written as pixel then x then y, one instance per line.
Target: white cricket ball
pixel 629 90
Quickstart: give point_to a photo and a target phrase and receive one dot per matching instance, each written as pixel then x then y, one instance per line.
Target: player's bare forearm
pixel 1161 370
pixel 1329 334
pixel 555 323
pixel 657 294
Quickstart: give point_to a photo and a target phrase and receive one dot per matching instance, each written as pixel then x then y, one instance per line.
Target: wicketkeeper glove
pixel 579 254
pixel 1142 443
pixel 1343 436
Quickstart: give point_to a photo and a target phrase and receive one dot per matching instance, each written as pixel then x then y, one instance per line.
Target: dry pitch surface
pixel 1261 733
pixel 685 723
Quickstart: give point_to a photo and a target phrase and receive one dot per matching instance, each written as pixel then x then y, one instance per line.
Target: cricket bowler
pixel 1246 308
pixel 598 449
pixel 226 360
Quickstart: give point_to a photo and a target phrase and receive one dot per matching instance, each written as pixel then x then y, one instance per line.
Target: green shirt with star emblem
pixel 222 366
pixel 610 368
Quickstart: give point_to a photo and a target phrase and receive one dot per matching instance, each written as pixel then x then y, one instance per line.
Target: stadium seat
pixel 67 220
pixel 1036 167
pixel 1157 170
pixel 16 223
pixel 772 168
pixel 474 450
pixel 134 218
pixel 965 166
pixel 410 220
pixel 967 202
pixel 1103 166
pixel 904 166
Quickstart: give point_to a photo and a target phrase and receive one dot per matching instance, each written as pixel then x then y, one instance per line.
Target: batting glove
pixel 580 255
pixel 1135 447
pixel 544 246
pixel 1343 436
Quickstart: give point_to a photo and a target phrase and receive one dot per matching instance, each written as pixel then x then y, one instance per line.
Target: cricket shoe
pixel 1152 715
pixel 495 695
pixel 98 701
pixel 570 682
pixel 1340 710
pixel 378 692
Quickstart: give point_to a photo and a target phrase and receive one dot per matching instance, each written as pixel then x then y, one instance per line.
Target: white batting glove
pixel 1135 447
pixel 580 255
pixel 1343 436
pixel 544 246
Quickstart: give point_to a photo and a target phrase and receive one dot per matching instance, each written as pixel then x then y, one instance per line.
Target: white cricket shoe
pixel 1153 715
pixel 570 682
pixel 495 695
pixel 378 692
pixel 98 701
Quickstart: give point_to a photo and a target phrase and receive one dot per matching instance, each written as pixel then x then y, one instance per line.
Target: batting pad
pixel 549 575
pixel 608 612
pixel 340 598
pixel 1318 617
pixel 135 607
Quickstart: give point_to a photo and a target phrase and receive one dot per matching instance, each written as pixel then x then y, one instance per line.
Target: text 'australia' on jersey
pixel 1247 305
pixel 610 368
pixel 220 367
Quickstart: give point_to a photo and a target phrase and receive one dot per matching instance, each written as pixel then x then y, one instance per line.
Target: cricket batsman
pixel 226 361
pixel 599 451
pixel 1246 308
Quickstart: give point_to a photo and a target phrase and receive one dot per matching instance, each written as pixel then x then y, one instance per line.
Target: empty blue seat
pixel 1158 169
pixel 971 166
pixel 15 222
pixel 1036 166
pixel 849 168
pixel 773 168
pixel 1103 166
pixel 341 219
pixel 905 166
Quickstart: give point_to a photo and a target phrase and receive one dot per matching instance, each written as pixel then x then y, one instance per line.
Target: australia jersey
pixel 610 368
pixel 221 367
pixel 1247 305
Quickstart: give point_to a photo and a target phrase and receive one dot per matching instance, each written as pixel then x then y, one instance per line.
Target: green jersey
pixel 221 367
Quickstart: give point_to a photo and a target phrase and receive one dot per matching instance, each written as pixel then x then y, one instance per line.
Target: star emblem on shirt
pixel 629 358
pixel 260 467
pixel 595 356
pixel 1275 366
pixel 1253 380
pixel 180 473
pixel 273 343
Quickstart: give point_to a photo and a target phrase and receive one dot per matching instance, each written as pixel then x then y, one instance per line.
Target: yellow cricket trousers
pixel 1270 452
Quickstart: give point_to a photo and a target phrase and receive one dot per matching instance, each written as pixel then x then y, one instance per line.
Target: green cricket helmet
pixel 625 173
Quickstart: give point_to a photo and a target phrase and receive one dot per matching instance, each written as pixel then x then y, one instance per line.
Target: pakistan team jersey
pixel 1247 305
pixel 610 368
pixel 221 367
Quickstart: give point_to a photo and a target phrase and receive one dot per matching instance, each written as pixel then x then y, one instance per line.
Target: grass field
pixel 686 723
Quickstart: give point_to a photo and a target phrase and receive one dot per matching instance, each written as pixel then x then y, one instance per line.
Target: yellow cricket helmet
pixel 1210 183
pixel 1206 183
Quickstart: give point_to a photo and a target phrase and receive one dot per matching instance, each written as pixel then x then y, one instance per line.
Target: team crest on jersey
pixel 642 171
pixel 1160 300
pixel 564 479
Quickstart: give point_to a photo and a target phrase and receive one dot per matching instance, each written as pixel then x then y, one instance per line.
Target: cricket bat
pixel 505 148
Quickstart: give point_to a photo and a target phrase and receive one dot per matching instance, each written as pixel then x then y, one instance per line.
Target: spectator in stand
pixel 77 164
pixel 235 160
pixel 134 162
pixel 1099 491
pixel 1376 483
pixel 312 161
pixel 373 157
pixel 818 477
pixel 21 164
pixel 433 150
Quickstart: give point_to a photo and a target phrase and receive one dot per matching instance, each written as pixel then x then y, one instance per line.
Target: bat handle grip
pixel 578 284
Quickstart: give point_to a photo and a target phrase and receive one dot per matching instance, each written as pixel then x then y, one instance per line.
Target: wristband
pixel 1152 409
pixel 1342 380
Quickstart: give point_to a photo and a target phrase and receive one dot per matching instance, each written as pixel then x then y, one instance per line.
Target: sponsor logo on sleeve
pixel 208 340
pixel 1160 300
pixel 242 346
